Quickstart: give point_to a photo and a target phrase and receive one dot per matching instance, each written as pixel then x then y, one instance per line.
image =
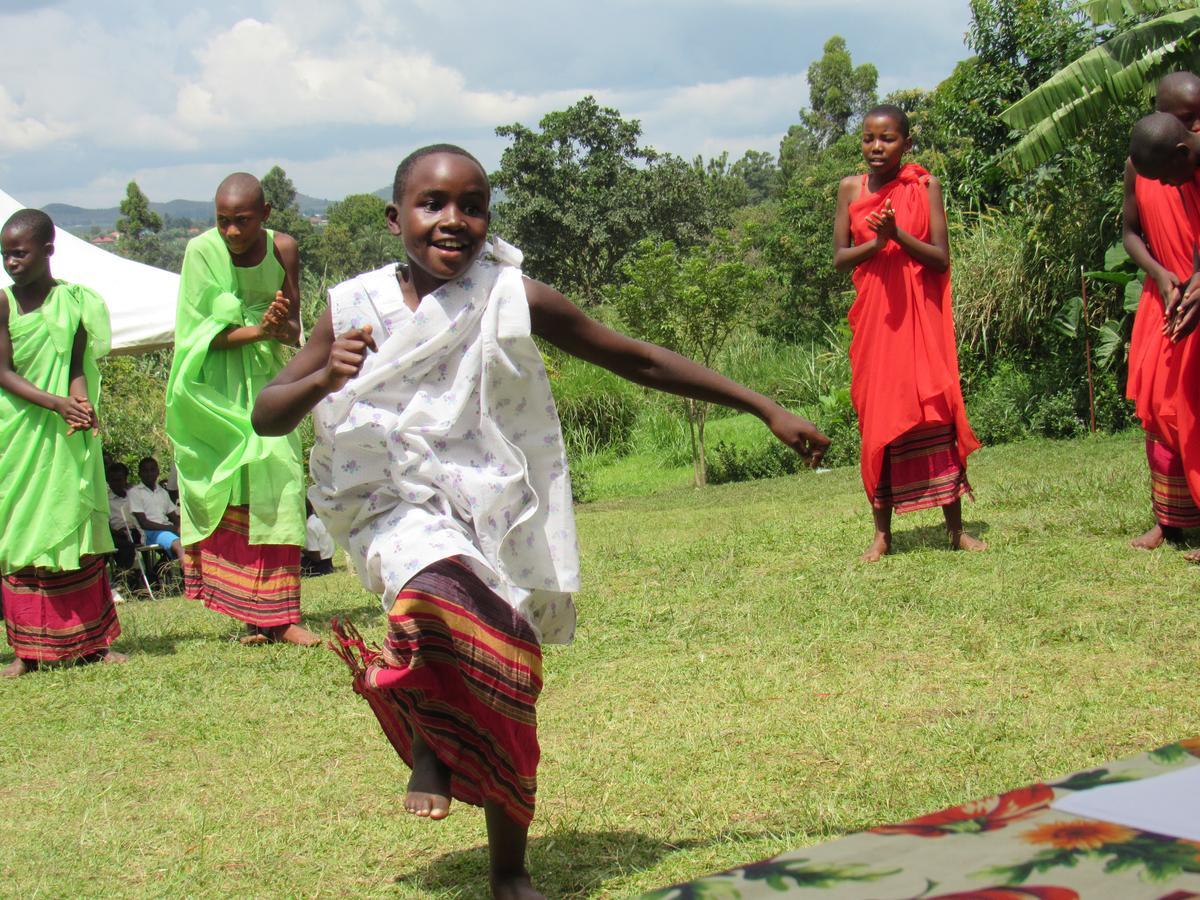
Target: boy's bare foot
pixel 293 634
pixel 1151 540
pixel 253 638
pixel 960 540
pixel 17 668
pixel 429 787
pixel 514 887
pixel 113 657
pixel 1192 556
pixel 880 547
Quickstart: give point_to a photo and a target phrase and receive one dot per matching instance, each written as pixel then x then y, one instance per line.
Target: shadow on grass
pixel 930 537
pixel 563 863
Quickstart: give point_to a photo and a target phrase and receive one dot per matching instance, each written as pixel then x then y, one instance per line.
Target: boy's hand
pixel 346 357
pixel 1186 315
pixel 1170 290
pixel 77 412
pixel 883 222
pixel 275 323
pixel 801 435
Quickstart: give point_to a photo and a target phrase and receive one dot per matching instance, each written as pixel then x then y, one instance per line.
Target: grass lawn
pixel 740 686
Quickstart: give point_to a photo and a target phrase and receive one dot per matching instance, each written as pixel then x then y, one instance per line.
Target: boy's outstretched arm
pixel 557 320
pixel 323 365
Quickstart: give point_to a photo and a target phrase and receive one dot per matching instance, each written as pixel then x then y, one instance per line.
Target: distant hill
pixel 199 211
pixel 67 216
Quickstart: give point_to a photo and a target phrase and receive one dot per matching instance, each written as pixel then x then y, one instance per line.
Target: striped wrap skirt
pixel 57 616
pixel 921 470
pixel 463 670
pixel 258 584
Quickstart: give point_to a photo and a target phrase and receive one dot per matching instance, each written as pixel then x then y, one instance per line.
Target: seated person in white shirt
pixel 317 556
pixel 120 517
pixel 153 509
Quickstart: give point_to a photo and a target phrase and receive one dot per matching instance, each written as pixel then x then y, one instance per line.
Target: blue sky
pixel 177 95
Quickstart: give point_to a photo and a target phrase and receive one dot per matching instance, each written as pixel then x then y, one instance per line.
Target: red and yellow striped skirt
pixel 254 583
pixel 462 669
pixel 55 616
pixel 921 470
pixel 1169 493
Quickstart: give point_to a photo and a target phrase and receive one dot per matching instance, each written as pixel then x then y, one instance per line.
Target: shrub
pixel 1054 416
pixel 596 407
pixel 728 462
pixel 999 407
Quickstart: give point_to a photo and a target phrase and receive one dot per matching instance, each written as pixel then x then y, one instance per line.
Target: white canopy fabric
pixel 141 299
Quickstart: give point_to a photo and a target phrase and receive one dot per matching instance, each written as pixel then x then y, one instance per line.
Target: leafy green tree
pixel 795 236
pixel 355 239
pixel 690 302
pixel 1018 44
pixel 1142 40
pixel 758 171
pixel 580 191
pixel 838 92
pixel 285 212
pixel 139 226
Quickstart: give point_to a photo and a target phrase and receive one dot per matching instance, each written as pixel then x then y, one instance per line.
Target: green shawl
pixel 210 394
pixel 53 496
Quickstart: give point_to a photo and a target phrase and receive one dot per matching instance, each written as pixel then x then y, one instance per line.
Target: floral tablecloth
pixel 1010 847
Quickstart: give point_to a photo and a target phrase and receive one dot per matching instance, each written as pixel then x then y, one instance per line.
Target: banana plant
pixel 1120 70
pixel 1108 339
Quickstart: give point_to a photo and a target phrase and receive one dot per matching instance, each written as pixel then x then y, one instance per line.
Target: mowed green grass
pixel 740 685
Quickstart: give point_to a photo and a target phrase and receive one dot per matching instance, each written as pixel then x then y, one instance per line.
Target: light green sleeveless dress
pixel 219 459
pixel 53 496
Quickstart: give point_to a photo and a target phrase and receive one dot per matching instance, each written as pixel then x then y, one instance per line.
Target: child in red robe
pixel 890 229
pixel 1160 227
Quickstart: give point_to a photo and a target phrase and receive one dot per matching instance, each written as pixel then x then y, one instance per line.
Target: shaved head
pixel 241 186
pixel 1155 146
pixel 1176 90
pixel 35 222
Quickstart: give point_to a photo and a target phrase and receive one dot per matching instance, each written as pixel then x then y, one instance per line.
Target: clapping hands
pixel 883 222
pixel 275 322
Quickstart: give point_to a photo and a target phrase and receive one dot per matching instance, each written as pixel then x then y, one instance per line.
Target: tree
pixel 1018 44
pixel 139 227
pixel 690 302
pixel 355 239
pixel 839 95
pixel 1146 39
pixel 757 170
pixel 285 212
pixel 838 92
pixel 581 191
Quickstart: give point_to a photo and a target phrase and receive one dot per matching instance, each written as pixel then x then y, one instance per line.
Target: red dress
pixel 903 357
pixel 1159 368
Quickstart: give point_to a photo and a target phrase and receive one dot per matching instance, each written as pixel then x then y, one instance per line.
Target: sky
pixel 178 94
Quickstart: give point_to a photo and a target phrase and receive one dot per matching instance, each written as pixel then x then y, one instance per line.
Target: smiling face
pixel 240 218
pixel 26 258
pixel 442 217
pixel 883 144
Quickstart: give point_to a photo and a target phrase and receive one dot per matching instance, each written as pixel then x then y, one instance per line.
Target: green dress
pixel 219 459
pixel 53 495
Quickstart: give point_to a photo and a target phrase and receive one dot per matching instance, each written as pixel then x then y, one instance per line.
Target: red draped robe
pixel 903 356
pixel 1163 373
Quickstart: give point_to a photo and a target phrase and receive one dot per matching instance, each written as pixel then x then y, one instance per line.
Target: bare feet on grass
pixel 294 634
pixel 1192 556
pixel 960 540
pixel 1151 540
pixel 17 668
pixel 429 787
pixel 880 547
pixel 113 658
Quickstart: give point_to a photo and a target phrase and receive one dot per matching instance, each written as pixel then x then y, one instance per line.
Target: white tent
pixel 140 298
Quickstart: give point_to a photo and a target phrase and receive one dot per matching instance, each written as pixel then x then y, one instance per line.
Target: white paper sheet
pixel 1166 804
